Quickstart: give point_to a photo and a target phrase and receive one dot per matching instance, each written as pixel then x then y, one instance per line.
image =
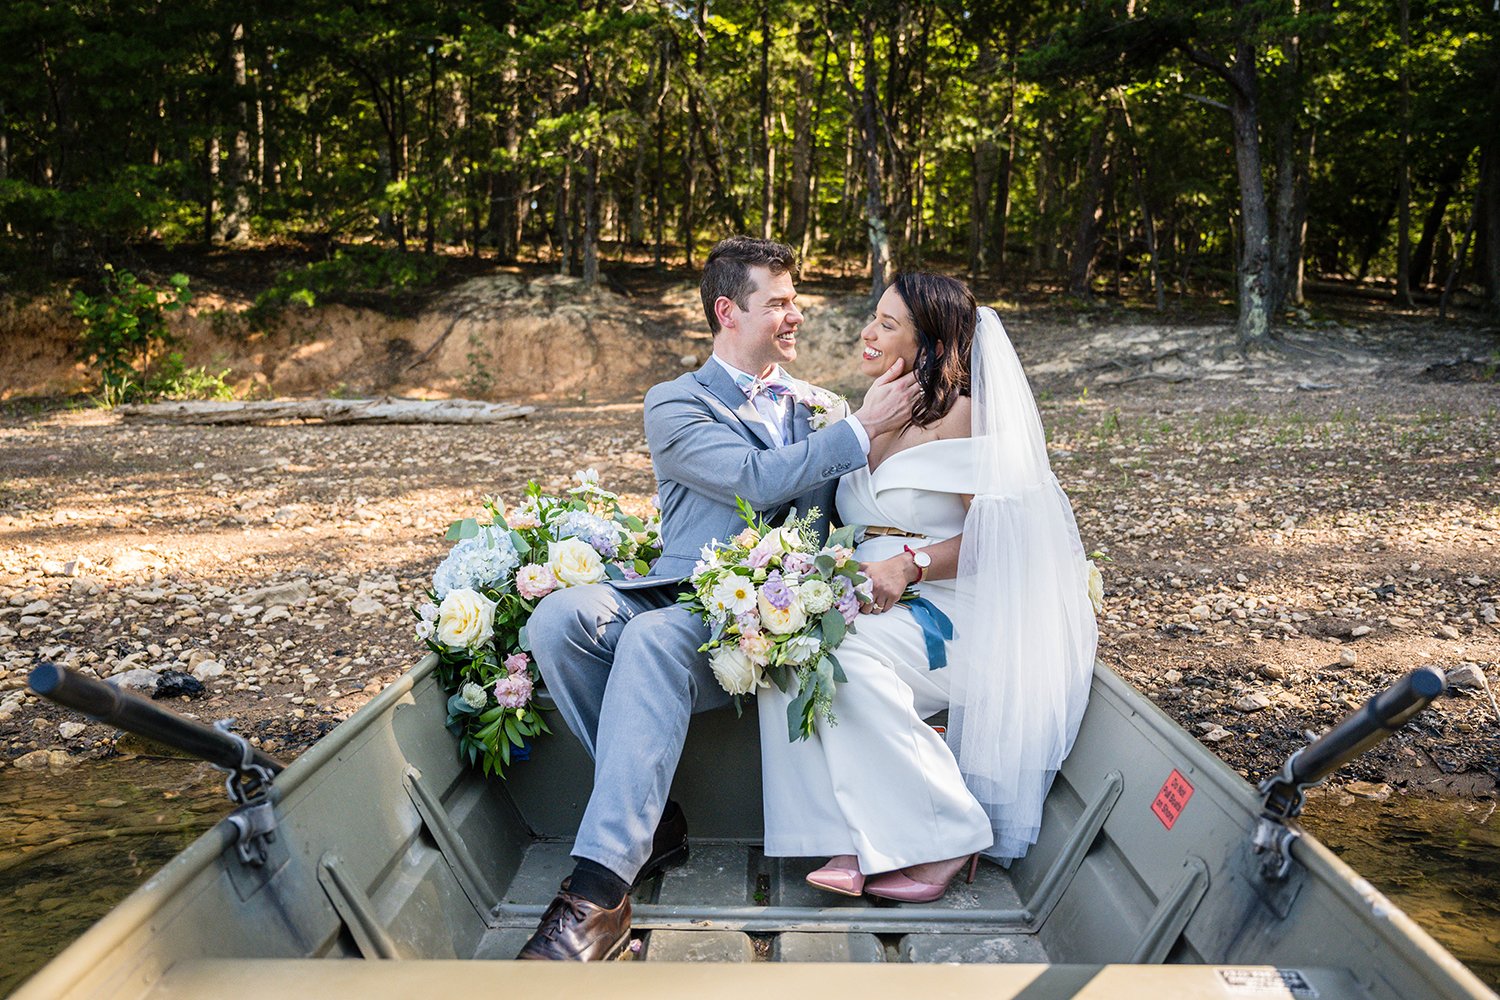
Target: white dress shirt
pixel 777 413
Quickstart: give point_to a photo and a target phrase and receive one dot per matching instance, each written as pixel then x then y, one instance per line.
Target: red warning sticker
pixel 1172 799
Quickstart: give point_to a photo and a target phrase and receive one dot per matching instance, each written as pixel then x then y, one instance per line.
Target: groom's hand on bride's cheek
pixel 889 400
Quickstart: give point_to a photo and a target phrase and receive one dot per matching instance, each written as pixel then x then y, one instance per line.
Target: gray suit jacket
pixel 709 445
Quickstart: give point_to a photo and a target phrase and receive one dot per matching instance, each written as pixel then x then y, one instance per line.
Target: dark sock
pixel 597 884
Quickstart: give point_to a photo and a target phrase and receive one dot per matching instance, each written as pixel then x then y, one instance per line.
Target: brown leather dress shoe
pixel 669 844
pixel 574 929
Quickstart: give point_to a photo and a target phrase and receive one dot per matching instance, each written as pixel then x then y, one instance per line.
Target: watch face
pixel 922 559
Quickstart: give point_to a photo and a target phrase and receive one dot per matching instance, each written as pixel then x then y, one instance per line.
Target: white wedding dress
pixel 879 782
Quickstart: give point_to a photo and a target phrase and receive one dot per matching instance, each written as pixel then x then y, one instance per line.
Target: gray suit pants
pixel 625 671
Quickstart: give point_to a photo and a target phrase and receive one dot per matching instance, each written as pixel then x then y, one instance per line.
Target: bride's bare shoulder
pixel 957 422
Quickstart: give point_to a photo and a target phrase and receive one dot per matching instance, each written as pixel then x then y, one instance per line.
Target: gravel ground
pixel 1280 538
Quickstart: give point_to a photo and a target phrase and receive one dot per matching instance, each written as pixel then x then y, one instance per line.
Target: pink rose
pixel 535 581
pixel 516 663
pixel 759 557
pixel 513 691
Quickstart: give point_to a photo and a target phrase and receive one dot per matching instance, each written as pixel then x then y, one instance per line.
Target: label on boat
pixel 1266 982
pixel 1172 799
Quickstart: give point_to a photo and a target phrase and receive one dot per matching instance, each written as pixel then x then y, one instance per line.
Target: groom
pixel 621 659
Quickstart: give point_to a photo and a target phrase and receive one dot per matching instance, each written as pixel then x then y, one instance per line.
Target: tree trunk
pixel 767 148
pixel 1090 213
pixel 1147 219
pixel 591 218
pixel 1403 176
pixel 1422 256
pixel 985 156
pixel 235 227
pixel 1489 191
pixel 1254 325
pixel 880 249
pixel 211 190
pixel 1000 226
pixel 809 107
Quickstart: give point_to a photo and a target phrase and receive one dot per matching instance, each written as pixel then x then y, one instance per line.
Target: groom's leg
pixel 659 679
pixel 573 636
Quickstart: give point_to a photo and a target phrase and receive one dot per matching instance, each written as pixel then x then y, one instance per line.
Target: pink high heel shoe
pixel 899 886
pixel 837 879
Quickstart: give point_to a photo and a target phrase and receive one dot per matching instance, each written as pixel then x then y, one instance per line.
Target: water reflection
pixel 1439 861
pixel 72 845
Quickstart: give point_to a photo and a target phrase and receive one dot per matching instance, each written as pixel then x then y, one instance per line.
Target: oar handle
pixel 1367 725
pixel 109 704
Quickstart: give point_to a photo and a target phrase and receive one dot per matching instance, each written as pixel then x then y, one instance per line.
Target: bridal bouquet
pixel 777 605
pixel 485 590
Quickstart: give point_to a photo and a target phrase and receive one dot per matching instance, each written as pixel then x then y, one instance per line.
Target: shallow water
pixel 1438 860
pixel 124 819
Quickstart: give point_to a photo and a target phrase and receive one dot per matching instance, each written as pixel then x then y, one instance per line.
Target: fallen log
pixel 385 410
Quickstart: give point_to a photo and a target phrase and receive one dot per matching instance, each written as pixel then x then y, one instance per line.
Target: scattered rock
pixel 1217 735
pixel 34 761
pixel 110 803
pixel 1447 632
pixel 1271 671
pixel 365 605
pixel 136 677
pixel 1398 621
pixel 1171 676
pixel 1467 676
pixel 1348 657
pixel 54 567
pixel 280 593
pixel 1200 612
pixel 1369 790
pixel 176 684
pixel 208 669
pixel 1253 702
pixel 275 613
pixel 36 608
pixel 1359 631
pixel 70 730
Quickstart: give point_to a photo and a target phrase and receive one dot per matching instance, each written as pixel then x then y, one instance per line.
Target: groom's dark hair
pixel 727 272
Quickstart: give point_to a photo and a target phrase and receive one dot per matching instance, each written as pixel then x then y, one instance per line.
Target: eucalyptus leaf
pixel 523 547
pixel 459 530
pixel 833 627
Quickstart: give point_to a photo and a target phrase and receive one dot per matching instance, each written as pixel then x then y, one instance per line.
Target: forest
pixel 1145 148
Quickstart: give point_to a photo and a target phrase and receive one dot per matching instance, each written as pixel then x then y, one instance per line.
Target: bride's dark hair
pixel 944 313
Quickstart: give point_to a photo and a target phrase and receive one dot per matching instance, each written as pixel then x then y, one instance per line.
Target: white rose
pixel 574 562
pixel 1095 586
pixel 781 622
pixel 473 695
pixel 734 671
pixel 428 611
pixel 800 650
pixel 783 539
pixel 466 619
pixel 816 597
pixel 426 630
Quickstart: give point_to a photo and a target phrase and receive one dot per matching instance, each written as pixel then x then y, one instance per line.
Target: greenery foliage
pixel 125 331
pixel 352 269
pixel 1010 139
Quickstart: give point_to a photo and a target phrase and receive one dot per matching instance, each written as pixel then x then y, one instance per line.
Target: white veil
pixel 1024 635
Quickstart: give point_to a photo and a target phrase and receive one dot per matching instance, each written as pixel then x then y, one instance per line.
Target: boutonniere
pixel 820 405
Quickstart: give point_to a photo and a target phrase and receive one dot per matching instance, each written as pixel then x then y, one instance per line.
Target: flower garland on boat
pixel 777 605
pixel 484 592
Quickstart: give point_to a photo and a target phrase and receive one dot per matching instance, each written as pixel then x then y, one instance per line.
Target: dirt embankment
pixel 497 336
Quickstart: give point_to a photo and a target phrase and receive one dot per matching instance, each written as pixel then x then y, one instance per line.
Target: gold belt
pixel 880 529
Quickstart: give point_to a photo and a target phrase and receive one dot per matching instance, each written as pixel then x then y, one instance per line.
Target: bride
pixel 961 505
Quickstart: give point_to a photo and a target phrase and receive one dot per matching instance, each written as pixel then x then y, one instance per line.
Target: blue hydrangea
pixel 603 535
pixel 486 560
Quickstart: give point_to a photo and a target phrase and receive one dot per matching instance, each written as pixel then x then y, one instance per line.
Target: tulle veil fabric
pixel 1025 635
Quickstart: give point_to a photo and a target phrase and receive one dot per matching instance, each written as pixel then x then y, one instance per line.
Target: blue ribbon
pixel 937 628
